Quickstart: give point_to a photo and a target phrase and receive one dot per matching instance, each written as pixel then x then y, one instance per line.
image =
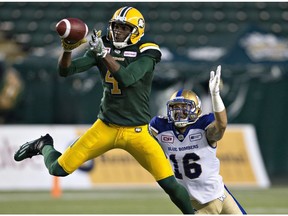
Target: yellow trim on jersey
pixel 147 46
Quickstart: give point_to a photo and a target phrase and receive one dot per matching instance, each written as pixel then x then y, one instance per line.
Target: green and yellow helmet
pixel 128 16
pixel 184 108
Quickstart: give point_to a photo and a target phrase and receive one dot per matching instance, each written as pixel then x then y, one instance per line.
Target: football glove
pixel 214 86
pixel 68 47
pixel 214 82
pixel 97 45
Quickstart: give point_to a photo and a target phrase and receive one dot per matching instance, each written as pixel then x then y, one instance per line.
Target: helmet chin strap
pixel 120 45
pixel 182 124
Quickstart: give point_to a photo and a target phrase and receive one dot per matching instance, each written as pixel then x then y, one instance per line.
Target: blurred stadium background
pixel 249 40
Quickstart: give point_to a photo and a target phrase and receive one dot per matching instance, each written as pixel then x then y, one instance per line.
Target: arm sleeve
pixel 135 71
pixel 79 65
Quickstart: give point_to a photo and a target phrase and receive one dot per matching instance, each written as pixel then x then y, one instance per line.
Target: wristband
pixel 217 103
pixel 104 53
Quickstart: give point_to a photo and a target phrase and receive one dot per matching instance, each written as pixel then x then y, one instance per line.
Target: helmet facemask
pixel 120 44
pixel 184 108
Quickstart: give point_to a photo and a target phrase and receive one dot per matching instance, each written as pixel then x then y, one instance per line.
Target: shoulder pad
pixel 150 49
pixel 208 117
pixel 162 117
pixel 204 121
pixel 160 124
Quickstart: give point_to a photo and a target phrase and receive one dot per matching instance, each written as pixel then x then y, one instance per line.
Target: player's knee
pixel 56 170
pixel 169 184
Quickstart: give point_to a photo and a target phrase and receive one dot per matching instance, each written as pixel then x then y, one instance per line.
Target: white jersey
pixel 194 161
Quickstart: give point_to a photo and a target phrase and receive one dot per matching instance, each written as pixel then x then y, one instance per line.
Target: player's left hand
pixel 214 82
pixel 68 47
pixel 97 45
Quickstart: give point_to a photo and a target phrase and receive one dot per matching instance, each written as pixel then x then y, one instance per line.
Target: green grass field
pixel 130 201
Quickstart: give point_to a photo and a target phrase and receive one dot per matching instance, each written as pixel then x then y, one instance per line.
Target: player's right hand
pixel 69 47
pixel 97 45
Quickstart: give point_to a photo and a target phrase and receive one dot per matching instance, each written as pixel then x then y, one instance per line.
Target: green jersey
pixel 125 93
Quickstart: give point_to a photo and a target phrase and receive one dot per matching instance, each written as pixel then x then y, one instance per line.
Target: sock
pixel 178 194
pixel 51 162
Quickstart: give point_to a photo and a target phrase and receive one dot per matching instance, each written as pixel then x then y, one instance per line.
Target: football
pixel 72 30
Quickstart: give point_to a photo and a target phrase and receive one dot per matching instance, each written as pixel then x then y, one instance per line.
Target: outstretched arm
pixel 65 58
pixel 216 129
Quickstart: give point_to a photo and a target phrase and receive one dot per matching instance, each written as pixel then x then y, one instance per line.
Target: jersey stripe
pixel 147 46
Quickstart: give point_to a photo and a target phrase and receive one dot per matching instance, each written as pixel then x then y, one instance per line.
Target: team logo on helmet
pixel 141 23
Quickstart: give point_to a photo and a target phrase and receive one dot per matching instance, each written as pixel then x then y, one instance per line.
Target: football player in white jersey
pixel 189 139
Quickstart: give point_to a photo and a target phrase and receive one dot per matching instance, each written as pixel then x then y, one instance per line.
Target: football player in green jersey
pixel 126 66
